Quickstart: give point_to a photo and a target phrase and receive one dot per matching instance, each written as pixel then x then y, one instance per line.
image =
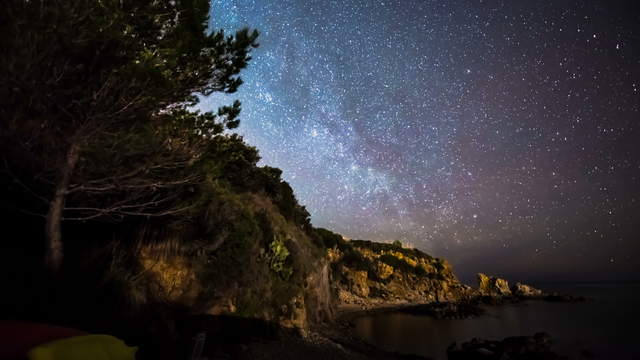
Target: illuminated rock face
pixel 493 286
pixel 522 290
pixel 371 274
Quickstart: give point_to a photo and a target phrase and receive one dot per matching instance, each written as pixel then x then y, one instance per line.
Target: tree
pixel 97 111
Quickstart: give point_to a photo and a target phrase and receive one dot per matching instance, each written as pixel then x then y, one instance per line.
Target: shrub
pixel 384 247
pixel 353 258
pixel 402 265
pixel 278 258
pixel 328 238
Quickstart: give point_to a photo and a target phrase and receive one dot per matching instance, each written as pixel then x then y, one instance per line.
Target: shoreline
pixel 229 337
pixel 340 331
pixel 346 312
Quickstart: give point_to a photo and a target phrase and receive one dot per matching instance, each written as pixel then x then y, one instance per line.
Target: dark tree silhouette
pixel 97 104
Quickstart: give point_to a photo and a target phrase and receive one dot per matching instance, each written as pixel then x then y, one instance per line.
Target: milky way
pixel 501 135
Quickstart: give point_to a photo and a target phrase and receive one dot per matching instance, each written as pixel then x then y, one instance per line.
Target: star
pixel 410 119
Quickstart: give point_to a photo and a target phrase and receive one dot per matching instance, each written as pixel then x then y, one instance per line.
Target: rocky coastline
pixel 491 291
pixel 366 278
pixel 335 338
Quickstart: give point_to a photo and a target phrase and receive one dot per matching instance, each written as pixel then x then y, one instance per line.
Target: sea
pixel 607 326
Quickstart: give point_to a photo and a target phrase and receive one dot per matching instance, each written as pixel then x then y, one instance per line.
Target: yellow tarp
pixel 94 347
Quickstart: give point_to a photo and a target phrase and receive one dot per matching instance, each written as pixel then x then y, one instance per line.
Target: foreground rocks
pixel 536 347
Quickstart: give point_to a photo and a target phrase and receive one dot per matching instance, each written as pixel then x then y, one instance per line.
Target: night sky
pixel 501 135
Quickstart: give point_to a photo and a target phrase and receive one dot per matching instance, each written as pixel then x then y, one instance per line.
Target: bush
pixel 278 258
pixel 402 265
pixel 353 258
pixel 385 247
pixel 328 238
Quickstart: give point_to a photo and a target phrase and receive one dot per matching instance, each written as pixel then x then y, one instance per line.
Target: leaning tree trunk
pixel 53 235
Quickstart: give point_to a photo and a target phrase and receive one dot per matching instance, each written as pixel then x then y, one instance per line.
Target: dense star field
pixel 501 135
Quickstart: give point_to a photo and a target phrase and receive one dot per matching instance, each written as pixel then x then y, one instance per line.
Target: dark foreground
pixel 230 337
pixel 230 340
pixel 233 338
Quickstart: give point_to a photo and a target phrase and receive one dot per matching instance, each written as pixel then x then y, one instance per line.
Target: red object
pixel 17 337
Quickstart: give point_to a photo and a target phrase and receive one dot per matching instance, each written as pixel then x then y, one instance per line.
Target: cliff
pixel 253 263
pixel 373 274
pixel 270 268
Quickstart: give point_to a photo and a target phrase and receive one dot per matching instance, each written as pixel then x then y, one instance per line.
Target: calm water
pixel 608 326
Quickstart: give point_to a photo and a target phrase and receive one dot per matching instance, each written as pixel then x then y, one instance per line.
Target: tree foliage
pixel 97 111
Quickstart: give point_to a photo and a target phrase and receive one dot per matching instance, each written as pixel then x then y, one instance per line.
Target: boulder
pixel 522 290
pixel 493 286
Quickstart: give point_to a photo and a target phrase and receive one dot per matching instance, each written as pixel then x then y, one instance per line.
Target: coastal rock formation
pixel 373 274
pixel 536 347
pixel 493 286
pixel 525 291
pixel 358 283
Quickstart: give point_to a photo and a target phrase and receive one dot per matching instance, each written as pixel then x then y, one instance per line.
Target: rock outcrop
pixel 493 286
pixel 525 291
pixel 370 274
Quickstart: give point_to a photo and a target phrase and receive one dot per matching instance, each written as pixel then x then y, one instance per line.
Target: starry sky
pixel 501 135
